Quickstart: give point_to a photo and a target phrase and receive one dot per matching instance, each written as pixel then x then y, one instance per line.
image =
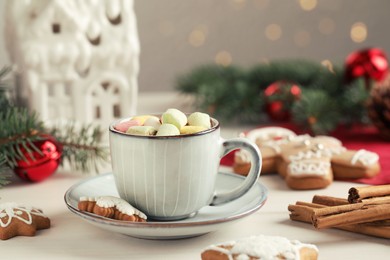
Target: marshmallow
pixel 123 126
pixel 168 129
pixel 141 119
pixel 175 117
pixel 153 121
pixel 199 119
pixel 189 129
pixel 141 130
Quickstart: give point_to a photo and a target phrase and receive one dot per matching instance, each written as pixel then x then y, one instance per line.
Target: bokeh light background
pixel 177 36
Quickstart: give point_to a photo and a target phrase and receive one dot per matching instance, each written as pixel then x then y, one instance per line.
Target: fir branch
pixel 18 128
pixel 4 172
pixel 4 88
pixel 229 93
pixel 222 92
pixel 316 111
pixel 82 147
pixel 4 72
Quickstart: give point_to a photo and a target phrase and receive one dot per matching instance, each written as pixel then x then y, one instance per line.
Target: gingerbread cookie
pixel 355 164
pixel 111 207
pixel 261 247
pixel 19 220
pixel 309 162
pixel 270 139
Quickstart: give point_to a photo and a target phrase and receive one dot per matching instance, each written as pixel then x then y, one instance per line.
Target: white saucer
pixel 208 219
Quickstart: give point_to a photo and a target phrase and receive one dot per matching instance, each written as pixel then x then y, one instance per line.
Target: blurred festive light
pixel 359 32
pixel 265 61
pixel 166 28
pixel 326 26
pixel 308 5
pixel 238 4
pixel 302 38
pixel 239 1
pixel 328 64
pixel 197 38
pixel 223 58
pixel 273 32
pixel 261 4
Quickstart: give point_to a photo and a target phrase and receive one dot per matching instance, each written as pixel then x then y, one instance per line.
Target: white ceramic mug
pixel 172 177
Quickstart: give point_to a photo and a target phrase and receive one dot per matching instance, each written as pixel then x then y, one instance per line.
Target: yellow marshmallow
pixel 141 119
pixel 188 129
pixel 141 130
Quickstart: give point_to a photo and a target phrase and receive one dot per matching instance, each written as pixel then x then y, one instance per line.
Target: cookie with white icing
pixel 21 220
pixel 261 247
pixel 269 140
pixel 111 207
pixel 355 164
pixel 308 162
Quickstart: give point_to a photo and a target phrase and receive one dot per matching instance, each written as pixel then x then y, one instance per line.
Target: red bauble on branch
pixel 279 97
pixel 37 166
pixel 368 63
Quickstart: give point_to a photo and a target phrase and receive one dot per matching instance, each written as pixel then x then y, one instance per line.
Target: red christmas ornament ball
pixel 368 63
pixel 279 96
pixel 277 112
pixel 37 166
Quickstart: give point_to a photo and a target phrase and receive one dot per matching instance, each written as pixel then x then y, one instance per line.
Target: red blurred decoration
pixel 279 97
pixel 368 63
pixel 37 166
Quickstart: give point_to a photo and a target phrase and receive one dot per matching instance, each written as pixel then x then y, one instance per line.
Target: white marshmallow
pixel 167 129
pixel 175 117
pixel 199 119
pixel 153 121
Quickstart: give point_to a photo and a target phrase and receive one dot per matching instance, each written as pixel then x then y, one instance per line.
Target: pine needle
pixel 82 147
pixel 4 172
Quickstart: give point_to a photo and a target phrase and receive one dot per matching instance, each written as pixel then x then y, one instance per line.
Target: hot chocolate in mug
pixel 172 177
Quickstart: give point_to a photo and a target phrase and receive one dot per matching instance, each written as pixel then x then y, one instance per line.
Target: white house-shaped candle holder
pixel 76 60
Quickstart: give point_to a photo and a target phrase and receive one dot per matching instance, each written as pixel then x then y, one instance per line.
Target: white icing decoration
pixel 300 168
pixel 13 210
pixel 242 156
pixel 269 132
pixel 120 204
pixel 85 198
pixel 221 250
pixel 327 139
pixel 365 157
pixel 264 247
pixel 318 153
pixel 242 257
pixel 275 144
pixel 310 154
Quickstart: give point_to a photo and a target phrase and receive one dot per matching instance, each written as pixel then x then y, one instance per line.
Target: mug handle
pixel 251 178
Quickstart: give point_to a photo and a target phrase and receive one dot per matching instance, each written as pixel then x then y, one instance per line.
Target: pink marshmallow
pixel 123 126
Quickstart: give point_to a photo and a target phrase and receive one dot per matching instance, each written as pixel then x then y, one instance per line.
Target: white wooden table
pixel 72 238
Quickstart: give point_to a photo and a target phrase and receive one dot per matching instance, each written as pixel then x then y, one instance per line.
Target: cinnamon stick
pixel 357 194
pixel 302 211
pixel 349 214
pixel 377 200
pixel 328 200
